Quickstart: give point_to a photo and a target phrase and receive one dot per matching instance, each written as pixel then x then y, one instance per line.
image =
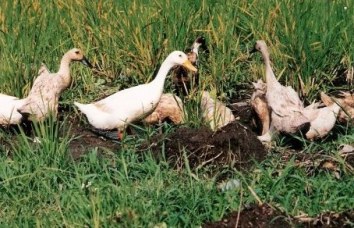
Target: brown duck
pixel 183 80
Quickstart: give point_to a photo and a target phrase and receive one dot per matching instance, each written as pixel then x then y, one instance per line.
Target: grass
pixel 40 185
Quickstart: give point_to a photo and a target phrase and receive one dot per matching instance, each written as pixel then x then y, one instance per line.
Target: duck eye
pixel 77 52
pixel 180 55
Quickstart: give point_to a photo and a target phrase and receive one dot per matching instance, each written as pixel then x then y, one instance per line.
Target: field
pixel 58 173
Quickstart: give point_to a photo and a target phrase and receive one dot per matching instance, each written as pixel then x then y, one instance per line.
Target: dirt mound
pixel 253 216
pixel 86 140
pixel 233 145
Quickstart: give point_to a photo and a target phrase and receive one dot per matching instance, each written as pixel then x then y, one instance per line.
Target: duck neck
pixel 195 48
pixel 64 70
pixel 159 80
pixel 270 77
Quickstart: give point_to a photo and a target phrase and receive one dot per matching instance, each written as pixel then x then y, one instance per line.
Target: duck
pixel 43 69
pixel 43 97
pixel 285 104
pixel 8 110
pixel 346 101
pixel 184 81
pixel 322 119
pixel 288 113
pixel 215 112
pixel 9 114
pixel 170 107
pixel 260 105
pixel 120 109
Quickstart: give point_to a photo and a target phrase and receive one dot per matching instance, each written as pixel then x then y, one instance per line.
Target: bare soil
pixel 265 216
pixel 331 220
pixel 252 216
pixel 86 141
pixel 234 145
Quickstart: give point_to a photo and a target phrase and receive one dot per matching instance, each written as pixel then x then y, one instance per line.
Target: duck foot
pixel 265 138
pixel 113 135
pixel 120 135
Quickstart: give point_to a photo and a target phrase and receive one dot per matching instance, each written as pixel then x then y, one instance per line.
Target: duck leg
pixel 120 135
pixel 267 137
pixel 107 134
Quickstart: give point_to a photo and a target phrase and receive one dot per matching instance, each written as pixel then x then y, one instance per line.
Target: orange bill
pixel 189 66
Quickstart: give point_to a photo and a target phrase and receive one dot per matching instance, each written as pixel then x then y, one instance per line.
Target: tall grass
pixel 307 40
pixel 127 41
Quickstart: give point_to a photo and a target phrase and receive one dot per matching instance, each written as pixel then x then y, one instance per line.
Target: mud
pixel 234 145
pixel 83 140
pixel 87 141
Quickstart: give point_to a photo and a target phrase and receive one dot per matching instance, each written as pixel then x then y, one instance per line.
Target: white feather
pixel 132 104
pixel 8 109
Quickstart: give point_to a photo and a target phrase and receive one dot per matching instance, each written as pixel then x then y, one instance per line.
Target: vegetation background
pixel 311 45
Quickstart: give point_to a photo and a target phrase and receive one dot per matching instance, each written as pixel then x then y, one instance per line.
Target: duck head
pixel 76 54
pixel 180 58
pixel 200 42
pixel 260 46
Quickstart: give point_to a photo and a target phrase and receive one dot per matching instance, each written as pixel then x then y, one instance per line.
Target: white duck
pixel 47 87
pixel 322 119
pixel 132 104
pixel 285 104
pixel 8 110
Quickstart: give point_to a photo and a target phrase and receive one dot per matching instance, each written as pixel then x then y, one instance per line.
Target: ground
pixel 253 216
pixel 265 216
pixel 85 139
pixel 235 145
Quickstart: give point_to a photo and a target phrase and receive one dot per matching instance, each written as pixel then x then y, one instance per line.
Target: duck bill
pixel 86 62
pixel 187 64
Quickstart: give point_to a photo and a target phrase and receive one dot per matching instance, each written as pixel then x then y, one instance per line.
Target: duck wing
pixel 43 96
pixel 137 97
pixel 322 121
pixel 284 101
pixel 293 97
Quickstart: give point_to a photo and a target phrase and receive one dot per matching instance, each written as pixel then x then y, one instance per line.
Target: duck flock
pixel 278 107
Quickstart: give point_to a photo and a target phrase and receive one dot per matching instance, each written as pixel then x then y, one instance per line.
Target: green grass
pixel 103 192
pixel 40 185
